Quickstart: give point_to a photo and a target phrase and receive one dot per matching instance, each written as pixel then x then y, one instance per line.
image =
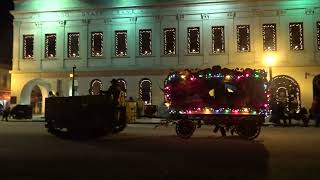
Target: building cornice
pixel 94 5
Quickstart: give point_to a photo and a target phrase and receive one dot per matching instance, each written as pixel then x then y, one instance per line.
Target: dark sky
pixel 5 31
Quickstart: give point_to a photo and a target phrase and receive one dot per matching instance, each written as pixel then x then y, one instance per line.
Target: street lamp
pixel 270 60
pixel 72 76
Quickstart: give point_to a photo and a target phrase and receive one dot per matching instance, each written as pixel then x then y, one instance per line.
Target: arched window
pixel 123 85
pixel 95 87
pixel 285 89
pixel 145 91
pixel 316 86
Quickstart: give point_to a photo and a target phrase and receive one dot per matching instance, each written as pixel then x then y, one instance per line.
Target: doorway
pixel 36 100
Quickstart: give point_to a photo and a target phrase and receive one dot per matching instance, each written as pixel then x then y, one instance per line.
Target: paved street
pixel 27 151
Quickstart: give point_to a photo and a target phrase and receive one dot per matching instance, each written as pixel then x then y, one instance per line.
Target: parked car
pixel 21 112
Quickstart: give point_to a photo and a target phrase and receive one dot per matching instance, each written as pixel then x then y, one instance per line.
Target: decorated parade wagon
pixel 234 100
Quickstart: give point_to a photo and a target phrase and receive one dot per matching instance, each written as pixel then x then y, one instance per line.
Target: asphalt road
pixel 27 151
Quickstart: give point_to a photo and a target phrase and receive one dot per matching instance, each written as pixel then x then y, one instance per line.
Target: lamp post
pixel 270 61
pixel 72 75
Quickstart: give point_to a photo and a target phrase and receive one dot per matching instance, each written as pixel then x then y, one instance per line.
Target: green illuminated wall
pixel 42 5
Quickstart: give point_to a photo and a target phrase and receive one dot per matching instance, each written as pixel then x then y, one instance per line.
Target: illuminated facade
pixel 139 42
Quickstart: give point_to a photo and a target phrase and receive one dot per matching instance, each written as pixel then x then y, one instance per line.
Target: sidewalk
pixel 147 120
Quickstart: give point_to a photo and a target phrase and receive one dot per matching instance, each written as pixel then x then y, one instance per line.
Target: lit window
pixel 243 38
pixel 28 46
pixel 194 40
pixel 95 87
pixel 121 43
pixel 269 33
pixel 145 91
pixel 296 36
pixel 96 44
pixel 318 35
pixel 50 45
pixel 218 39
pixel 73 45
pixel 169 40
pixel 145 42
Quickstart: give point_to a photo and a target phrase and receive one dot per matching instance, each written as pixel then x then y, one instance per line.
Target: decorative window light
pixel 50 45
pixel 95 87
pixel 28 46
pixel 123 85
pixel 194 40
pixel 218 42
pixel 145 37
pixel 121 43
pixel 145 91
pixel 169 41
pixel 269 33
pixel 318 35
pixel 296 36
pixel 96 44
pixel 243 38
pixel 73 45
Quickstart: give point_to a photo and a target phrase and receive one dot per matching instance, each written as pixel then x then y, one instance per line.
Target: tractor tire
pixel 185 128
pixel 248 130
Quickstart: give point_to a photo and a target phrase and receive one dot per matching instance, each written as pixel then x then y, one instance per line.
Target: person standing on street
pixel 6 113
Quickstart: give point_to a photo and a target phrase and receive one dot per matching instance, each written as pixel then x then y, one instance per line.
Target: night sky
pixel 6 31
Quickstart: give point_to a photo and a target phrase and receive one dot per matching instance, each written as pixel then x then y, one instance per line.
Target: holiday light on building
pixel 97 44
pixel 73 45
pixel 50 45
pixel 28 46
pixel 145 91
pixel 121 43
pixel 169 41
pixel 243 38
pixel 123 85
pixel 269 36
pixel 218 44
pixel 145 42
pixel 296 36
pixel 95 87
pixel 194 40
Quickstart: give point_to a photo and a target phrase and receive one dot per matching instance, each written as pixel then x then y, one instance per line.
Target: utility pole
pixel 73 69
pixel 270 73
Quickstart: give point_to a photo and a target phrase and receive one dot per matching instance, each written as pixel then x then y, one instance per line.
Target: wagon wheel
pixel 248 130
pixel 185 128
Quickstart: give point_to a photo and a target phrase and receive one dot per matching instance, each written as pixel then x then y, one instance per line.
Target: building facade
pixel 139 42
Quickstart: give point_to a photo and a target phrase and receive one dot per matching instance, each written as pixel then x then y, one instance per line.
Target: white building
pixel 141 41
